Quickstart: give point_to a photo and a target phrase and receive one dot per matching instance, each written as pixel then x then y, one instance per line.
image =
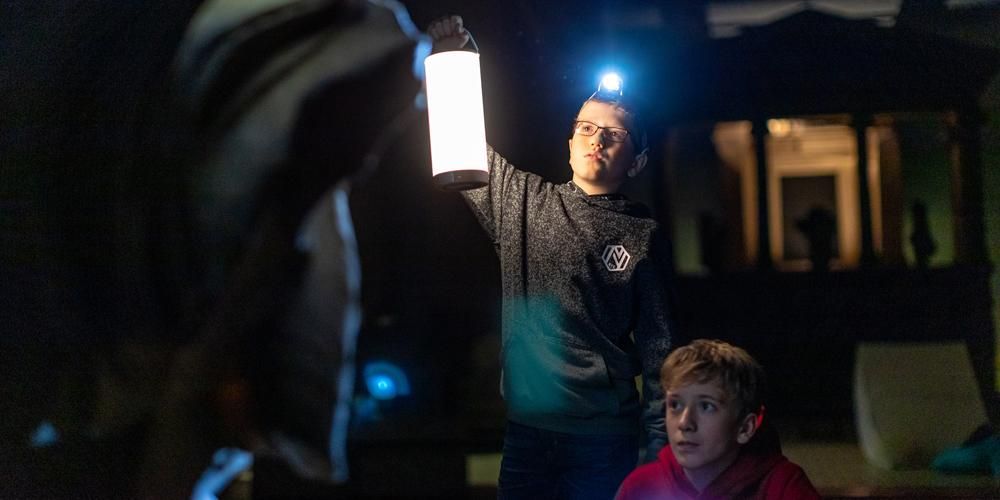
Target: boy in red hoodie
pixel 718 447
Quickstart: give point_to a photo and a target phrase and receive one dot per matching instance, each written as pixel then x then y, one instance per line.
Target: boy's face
pixel 601 165
pixel 704 429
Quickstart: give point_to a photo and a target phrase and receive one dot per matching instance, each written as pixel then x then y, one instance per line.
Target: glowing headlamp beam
pixel 611 82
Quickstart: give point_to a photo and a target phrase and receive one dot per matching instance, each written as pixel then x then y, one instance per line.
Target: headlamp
pixel 610 88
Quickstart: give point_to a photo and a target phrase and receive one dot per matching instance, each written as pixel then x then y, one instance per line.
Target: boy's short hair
pixel 638 130
pixel 704 361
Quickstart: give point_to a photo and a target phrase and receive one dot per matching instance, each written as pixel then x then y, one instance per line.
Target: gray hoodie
pixel 585 304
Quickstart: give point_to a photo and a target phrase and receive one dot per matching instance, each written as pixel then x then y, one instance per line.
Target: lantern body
pixel 455 115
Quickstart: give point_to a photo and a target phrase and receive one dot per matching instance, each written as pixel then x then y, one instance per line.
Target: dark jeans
pixel 540 464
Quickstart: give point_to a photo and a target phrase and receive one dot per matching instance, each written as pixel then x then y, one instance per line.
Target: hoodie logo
pixel 615 258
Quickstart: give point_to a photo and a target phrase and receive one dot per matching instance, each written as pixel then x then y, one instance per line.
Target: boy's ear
pixel 638 163
pixel 748 427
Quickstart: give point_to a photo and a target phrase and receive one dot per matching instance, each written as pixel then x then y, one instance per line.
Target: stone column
pixel 760 133
pixel 891 180
pixel 861 123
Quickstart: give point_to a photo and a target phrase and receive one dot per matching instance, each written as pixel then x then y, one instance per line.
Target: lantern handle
pixel 472 42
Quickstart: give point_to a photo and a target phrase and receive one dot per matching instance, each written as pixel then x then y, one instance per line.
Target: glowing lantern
pixel 455 113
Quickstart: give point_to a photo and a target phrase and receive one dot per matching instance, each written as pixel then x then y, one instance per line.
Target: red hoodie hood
pixel 741 479
pixel 760 472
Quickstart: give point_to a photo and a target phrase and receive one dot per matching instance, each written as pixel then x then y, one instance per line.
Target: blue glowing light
pixel 611 82
pixel 45 435
pixel 385 381
pixel 227 464
pixel 381 387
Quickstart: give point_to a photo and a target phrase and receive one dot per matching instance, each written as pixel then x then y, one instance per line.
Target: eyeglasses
pixel 614 134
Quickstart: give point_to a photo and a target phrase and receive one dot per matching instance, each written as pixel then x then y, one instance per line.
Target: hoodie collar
pixel 755 461
pixel 613 201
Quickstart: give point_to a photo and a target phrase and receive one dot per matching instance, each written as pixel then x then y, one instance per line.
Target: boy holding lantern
pixel 585 306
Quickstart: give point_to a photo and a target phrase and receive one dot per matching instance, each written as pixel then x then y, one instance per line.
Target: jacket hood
pixel 756 459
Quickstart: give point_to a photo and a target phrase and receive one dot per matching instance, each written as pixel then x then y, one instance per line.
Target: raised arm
pixel 449 33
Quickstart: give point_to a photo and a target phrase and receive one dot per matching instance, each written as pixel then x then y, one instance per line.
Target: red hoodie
pixel 759 472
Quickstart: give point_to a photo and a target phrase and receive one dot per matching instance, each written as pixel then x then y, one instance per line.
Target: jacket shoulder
pixel 648 481
pixel 788 481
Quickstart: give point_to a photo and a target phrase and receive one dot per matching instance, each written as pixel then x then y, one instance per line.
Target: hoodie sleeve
pixel 487 202
pixel 653 332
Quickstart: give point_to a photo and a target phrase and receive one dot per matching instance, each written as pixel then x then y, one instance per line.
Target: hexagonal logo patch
pixel 615 258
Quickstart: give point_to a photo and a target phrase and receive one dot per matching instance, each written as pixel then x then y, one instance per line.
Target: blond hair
pixel 704 361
